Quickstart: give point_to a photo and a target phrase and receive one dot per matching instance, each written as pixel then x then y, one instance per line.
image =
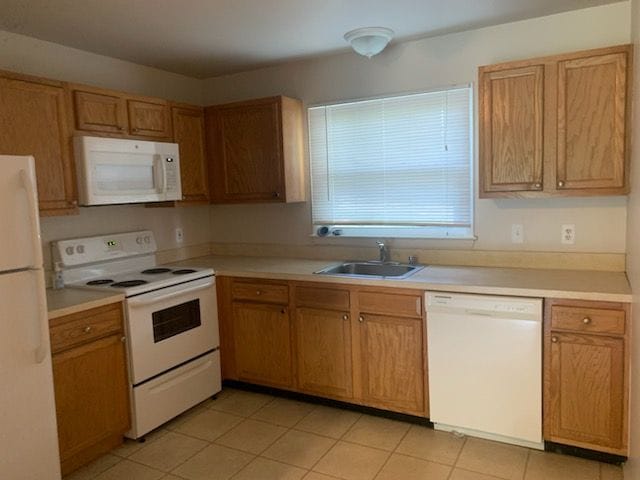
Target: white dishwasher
pixel 485 366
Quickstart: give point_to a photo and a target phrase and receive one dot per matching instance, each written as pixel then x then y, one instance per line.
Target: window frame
pixel 404 231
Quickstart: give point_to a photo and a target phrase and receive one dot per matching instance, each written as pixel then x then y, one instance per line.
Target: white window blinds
pixel 398 166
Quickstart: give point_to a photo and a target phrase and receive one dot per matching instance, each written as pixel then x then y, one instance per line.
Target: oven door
pixel 170 326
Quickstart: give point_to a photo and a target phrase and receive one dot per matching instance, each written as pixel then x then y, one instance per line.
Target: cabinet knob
pixel 554 339
pixel 121 128
pixel 538 185
pixel 134 129
pixel 586 320
pixel 361 319
pixel 276 194
pixel 283 311
pixel 123 339
pixel 258 292
pixel 345 317
pixel 561 183
pixel 87 329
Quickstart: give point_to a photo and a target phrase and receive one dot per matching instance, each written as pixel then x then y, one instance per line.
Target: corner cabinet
pixel 90 383
pixel 586 375
pixel 34 120
pixel 188 133
pixel 255 151
pixel 556 126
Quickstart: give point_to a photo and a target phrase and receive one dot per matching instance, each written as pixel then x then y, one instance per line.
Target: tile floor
pixel 250 436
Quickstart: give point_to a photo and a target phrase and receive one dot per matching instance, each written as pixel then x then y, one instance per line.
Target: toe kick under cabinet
pixel 362 345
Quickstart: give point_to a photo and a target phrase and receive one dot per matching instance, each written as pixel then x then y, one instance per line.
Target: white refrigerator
pixel 28 431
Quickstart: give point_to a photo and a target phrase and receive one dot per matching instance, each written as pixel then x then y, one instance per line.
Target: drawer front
pixel 331 298
pixel 260 292
pixel 85 326
pixel 583 319
pixel 394 304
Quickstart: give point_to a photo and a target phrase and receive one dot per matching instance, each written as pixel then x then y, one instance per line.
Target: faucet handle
pixel 413 260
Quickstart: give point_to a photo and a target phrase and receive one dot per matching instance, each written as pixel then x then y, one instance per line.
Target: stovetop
pixel 135 282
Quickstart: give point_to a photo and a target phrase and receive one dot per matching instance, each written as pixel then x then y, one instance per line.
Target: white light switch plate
pixel 517 233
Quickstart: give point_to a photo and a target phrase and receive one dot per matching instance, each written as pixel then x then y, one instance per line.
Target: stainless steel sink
pixel 371 270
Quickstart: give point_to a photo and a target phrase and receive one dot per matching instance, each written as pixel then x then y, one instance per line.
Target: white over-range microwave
pixel 114 171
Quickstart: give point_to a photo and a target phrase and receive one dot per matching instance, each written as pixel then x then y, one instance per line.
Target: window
pixel 396 167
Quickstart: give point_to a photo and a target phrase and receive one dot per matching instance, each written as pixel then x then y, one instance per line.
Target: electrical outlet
pixel 568 236
pixel 517 233
pixel 179 235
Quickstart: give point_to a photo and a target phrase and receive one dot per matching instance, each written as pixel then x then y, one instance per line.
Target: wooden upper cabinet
pixel 103 112
pixel 99 112
pixel 188 133
pixel 592 115
pixel 511 125
pixel 34 120
pixel 149 118
pixel 556 126
pixel 255 151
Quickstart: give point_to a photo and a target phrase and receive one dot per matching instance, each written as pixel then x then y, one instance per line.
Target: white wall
pixel 422 64
pixel 23 54
pixel 632 468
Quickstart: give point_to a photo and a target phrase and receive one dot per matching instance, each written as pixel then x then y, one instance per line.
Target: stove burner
pixel 129 283
pixel 153 271
pixel 184 271
pixel 102 281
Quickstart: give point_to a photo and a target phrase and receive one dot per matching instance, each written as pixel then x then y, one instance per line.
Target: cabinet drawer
pixel 260 292
pixel 332 298
pixel 584 319
pixel 85 326
pixel 395 304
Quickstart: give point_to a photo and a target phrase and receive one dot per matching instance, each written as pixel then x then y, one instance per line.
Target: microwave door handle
pixel 136 302
pixel 161 173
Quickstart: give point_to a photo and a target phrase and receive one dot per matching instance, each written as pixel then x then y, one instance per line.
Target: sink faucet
pixel 384 252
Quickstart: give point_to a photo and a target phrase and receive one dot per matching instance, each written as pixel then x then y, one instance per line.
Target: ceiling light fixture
pixel 369 41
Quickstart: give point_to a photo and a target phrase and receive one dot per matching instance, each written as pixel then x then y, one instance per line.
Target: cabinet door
pixel 188 133
pixel 34 121
pixel 262 340
pixel 99 112
pixel 592 94
pixel 391 363
pixel 92 399
pixel 586 390
pixel 511 129
pixel 149 118
pixel 323 339
pixel 246 152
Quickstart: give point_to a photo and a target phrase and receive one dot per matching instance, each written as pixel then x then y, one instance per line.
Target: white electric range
pixel 171 321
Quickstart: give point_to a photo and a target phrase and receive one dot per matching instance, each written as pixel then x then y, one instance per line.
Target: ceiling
pixel 205 38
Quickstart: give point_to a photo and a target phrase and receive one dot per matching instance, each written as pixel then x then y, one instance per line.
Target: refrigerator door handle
pixel 42 319
pixel 32 196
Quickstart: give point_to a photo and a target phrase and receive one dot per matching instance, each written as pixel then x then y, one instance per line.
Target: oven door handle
pixel 138 302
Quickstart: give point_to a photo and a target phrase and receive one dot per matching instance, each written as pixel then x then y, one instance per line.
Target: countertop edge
pixel 82 306
pixel 445 287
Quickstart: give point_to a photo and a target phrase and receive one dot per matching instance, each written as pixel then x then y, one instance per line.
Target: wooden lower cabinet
pixel 262 341
pixel 354 351
pixel 323 347
pixel 391 362
pixel 91 384
pixel 586 375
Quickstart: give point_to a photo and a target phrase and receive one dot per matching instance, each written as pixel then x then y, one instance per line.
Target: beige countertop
pixel 72 300
pixel 570 284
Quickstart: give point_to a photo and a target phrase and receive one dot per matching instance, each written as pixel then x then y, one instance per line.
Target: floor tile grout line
pixel 526 464
pixel 455 462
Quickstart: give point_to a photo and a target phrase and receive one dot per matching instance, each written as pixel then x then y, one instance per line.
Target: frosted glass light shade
pixel 369 41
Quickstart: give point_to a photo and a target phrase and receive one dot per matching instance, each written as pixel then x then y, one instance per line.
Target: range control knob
pixel 69 250
pixel 139 240
pixel 80 249
pixel 147 239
